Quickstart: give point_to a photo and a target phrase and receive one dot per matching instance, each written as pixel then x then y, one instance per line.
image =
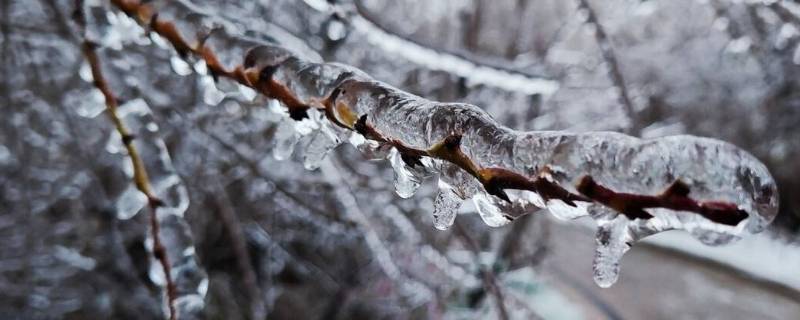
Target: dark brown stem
pixel 675 197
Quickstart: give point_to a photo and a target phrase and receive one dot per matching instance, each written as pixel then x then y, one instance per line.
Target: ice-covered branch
pixel 475 70
pixel 155 185
pixel 631 187
pixel 140 176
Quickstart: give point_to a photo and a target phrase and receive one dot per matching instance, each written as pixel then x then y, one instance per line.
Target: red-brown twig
pixel 675 197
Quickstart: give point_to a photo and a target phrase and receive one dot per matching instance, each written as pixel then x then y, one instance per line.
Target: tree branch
pixel 140 177
pixel 353 98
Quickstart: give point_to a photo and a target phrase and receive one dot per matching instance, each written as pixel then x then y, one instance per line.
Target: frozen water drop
pixel 190 306
pixel 319 146
pixel 489 211
pixel 85 72
pixel 156 273
pixel 130 203
pixel 92 106
pixel 405 183
pixel 445 207
pixel 285 140
pixel 135 107
pixel 336 30
pixel 201 67
pixel 247 92
pixel 613 240
pixel 180 66
pixel 211 95
pixel 158 40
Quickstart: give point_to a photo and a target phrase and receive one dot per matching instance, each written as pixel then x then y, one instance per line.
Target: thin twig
pixel 233 228
pixel 487 274
pixel 610 57
pixel 140 177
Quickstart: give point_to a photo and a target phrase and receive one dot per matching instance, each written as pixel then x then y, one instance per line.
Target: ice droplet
pixel 190 306
pixel 370 149
pixel 285 140
pixel 613 240
pixel 130 203
pixel 211 95
pixel 336 30
pixel 247 92
pixel 489 211
pixel 181 67
pixel 200 67
pixel 319 146
pixel 93 105
pixel 85 72
pixel 445 207
pixel 405 183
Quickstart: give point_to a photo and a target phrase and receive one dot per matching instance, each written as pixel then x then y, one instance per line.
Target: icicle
pixel 285 139
pixel 247 93
pixel 130 203
pixel 489 211
pixel 445 207
pixel 613 240
pixel 85 72
pixel 180 66
pixel 324 141
pixel 211 94
pixel 175 234
pixel 405 183
pixel 89 105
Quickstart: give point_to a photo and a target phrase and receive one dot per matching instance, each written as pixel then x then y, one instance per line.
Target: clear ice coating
pixel 713 170
pixel 285 139
pixel 491 214
pixel 612 240
pixel 405 182
pixel 445 207
pixel 175 234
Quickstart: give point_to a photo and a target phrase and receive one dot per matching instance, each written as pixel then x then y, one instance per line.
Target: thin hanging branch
pixel 233 228
pixel 140 176
pixel 488 276
pixel 610 57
